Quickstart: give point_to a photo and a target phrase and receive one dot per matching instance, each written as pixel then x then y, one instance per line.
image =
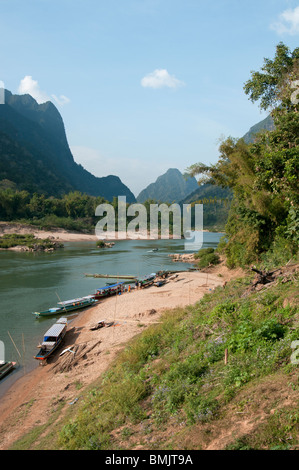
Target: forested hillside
pixel 35 155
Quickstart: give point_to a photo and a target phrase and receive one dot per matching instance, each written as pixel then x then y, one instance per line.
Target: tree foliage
pixel 263 175
pixel 72 211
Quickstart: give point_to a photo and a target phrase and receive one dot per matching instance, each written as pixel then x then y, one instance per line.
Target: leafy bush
pixel 14 239
pixel 207 257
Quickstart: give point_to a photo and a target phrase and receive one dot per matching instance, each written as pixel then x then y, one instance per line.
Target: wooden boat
pixel 160 282
pixel 98 325
pixel 6 367
pixel 52 339
pixel 145 281
pixel 109 290
pixel 67 306
pixel 111 276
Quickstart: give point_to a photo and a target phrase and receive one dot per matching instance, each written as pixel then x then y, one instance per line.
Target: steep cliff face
pixel 34 152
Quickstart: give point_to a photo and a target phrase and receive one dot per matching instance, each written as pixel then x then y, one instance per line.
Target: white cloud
pixel 160 78
pixel 288 22
pixel 31 87
pixel 62 100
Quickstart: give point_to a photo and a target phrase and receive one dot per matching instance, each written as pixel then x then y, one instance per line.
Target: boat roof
pixel 55 330
pixel 72 301
pixel 111 285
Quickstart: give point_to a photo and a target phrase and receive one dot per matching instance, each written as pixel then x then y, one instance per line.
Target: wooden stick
pixel 226 357
pixel 14 344
pixel 23 342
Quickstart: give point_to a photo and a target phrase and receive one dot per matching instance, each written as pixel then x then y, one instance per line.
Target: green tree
pixel 262 175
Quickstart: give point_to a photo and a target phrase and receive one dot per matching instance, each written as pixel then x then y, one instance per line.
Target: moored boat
pixel 6 367
pixel 52 339
pixel 109 290
pixel 67 306
pixel 146 281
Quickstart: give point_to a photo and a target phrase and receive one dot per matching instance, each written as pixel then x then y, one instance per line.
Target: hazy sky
pixel 143 85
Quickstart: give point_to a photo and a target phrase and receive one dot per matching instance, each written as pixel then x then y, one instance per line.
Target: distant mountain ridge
pixel 172 186
pixel 266 124
pixel 35 155
pixel 216 200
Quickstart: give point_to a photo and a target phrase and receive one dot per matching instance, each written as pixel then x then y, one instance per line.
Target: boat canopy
pixel 74 301
pixel 111 286
pixel 55 331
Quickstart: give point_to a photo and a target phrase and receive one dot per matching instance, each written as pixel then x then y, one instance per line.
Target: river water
pixel 32 282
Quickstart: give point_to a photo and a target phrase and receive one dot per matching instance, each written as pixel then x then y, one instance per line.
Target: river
pixel 32 282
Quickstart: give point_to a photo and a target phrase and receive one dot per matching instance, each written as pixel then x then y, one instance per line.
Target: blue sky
pixel 143 85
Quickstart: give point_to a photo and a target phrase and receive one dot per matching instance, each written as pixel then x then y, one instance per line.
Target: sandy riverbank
pixel 33 398
pixel 57 234
pixel 62 235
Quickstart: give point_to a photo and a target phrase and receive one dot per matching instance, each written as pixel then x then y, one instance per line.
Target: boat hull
pixel 6 368
pixel 63 310
pixel 44 356
pixel 145 281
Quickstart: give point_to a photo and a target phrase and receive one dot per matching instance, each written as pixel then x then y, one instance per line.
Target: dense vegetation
pixel 73 211
pixel 76 211
pixel 207 257
pixel 216 205
pixel 29 241
pixel 263 175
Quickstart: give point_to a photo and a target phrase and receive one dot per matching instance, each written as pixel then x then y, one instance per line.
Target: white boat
pixel 52 339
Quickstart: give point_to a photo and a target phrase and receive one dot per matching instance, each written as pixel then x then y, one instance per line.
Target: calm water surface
pixel 32 282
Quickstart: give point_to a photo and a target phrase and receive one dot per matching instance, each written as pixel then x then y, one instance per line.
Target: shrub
pixel 207 257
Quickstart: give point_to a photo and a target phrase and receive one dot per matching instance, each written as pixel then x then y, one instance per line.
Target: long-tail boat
pixel 52 339
pixel 67 306
pixel 109 290
pixel 6 367
pixel 145 281
pixel 111 276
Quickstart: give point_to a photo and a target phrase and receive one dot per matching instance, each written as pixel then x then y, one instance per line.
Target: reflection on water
pixel 36 281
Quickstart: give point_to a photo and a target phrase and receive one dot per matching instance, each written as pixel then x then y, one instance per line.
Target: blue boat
pixel 109 290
